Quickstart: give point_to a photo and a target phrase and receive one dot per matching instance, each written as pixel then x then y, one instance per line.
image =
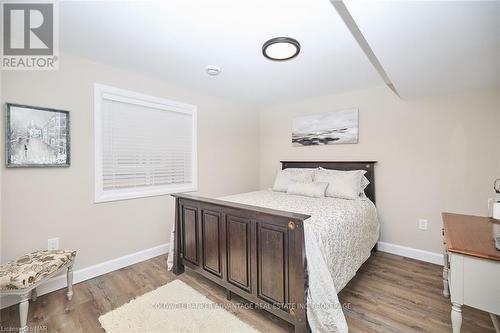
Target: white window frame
pixel 102 92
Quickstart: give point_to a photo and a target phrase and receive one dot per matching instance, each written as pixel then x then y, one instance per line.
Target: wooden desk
pixel 471 273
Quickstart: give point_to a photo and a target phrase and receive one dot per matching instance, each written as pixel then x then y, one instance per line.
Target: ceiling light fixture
pixel 281 48
pixel 213 70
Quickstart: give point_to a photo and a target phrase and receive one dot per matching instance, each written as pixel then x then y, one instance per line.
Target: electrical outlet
pixel 422 224
pixel 53 244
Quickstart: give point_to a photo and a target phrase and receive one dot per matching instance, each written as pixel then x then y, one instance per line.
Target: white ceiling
pixel 433 47
pixel 176 40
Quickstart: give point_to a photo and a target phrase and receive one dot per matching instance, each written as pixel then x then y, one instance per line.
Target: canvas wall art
pixel 326 129
pixel 36 137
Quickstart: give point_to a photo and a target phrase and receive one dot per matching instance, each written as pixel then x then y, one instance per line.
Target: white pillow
pixel 313 190
pixel 363 185
pixel 285 177
pixel 303 170
pixel 341 184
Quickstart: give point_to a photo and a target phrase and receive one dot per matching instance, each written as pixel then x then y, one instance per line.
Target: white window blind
pixel 144 145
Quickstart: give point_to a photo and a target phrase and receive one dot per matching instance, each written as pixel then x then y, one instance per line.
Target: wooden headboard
pixel 369 166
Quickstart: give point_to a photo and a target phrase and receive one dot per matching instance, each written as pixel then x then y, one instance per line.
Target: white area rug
pixel 175 307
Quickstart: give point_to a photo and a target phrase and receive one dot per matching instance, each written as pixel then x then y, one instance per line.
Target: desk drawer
pixel 481 284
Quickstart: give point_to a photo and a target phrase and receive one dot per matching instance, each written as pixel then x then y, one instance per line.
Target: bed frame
pixel 256 253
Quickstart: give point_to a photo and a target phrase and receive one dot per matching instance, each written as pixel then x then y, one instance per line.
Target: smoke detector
pixel 213 70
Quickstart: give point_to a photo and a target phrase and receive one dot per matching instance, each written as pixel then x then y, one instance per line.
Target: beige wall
pixel 498 132
pixel 58 202
pixel 436 154
pixel 1 209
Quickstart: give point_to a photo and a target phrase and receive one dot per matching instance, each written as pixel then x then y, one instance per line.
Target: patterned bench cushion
pixel 29 269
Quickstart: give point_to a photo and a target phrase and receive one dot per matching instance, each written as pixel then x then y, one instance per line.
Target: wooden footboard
pixel 254 252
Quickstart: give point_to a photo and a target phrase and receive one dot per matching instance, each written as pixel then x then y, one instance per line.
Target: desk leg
pixel 494 319
pixel 446 287
pixel 456 317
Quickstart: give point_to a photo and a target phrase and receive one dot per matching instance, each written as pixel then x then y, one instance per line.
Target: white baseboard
pixel 111 265
pixel 409 252
pixel 90 272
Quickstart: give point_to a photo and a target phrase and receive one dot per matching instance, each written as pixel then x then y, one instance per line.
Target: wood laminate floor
pixel 388 294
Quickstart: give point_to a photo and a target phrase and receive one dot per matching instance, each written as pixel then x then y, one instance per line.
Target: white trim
pixel 90 272
pixel 87 273
pixel 102 92
pixel 143 192
pixel 409 252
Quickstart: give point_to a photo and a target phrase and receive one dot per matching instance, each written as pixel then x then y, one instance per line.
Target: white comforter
pixel 339 236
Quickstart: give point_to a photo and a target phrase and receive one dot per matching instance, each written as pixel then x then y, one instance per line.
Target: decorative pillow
pixel 285 177
pixel 341 184
pixel 364 183
pixel 303 170
pixel 313 190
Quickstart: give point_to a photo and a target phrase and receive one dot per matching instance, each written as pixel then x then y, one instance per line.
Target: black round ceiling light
pixel 281 48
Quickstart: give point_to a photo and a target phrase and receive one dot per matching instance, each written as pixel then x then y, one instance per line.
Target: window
pixel 144 145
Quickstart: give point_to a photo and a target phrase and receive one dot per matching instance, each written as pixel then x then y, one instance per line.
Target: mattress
pixel 339 237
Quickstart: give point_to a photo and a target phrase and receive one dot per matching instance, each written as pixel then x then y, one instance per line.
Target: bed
pixel 288 254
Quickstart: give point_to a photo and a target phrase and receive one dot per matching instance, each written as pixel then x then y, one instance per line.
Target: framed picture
pixel 36 137
pixel 326 129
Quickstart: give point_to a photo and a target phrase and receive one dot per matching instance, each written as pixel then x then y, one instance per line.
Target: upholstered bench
pixel 22 276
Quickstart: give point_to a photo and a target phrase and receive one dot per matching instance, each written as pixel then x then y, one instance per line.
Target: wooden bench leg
pixel 23 312
pixel 69 278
